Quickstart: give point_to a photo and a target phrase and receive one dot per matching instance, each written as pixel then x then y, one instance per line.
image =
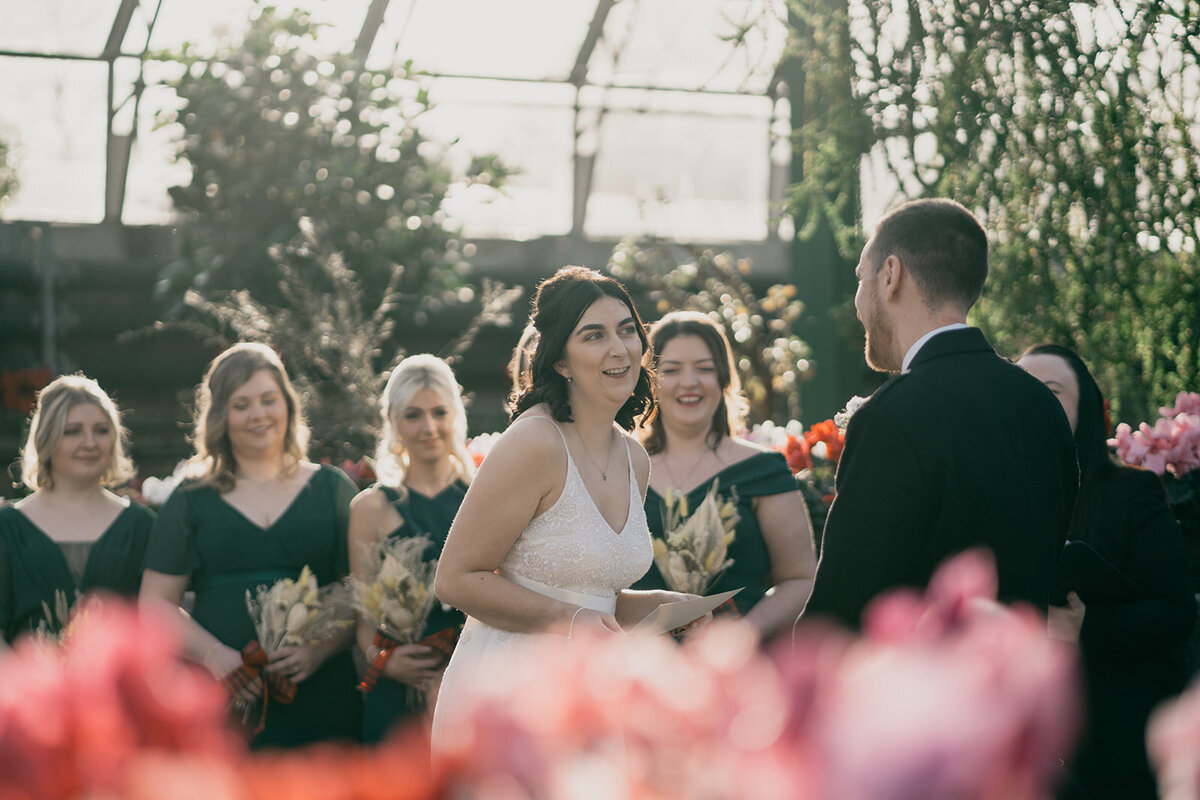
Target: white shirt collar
pixel 916 348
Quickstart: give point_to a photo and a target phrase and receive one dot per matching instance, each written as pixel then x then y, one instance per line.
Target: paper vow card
pixel 670 616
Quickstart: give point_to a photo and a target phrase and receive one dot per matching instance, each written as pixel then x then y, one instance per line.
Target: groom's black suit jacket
pixel 965 449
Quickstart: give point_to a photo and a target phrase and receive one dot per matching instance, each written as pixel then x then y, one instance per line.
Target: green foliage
pixel 8 175
pixel 1069 128
pixel 760 327
pixel 337 348
pixel 277 130
pixel 831 129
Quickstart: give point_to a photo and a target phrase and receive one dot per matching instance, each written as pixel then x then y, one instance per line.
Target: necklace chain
pixel 680 485
pixel 262 485
pixel 588 453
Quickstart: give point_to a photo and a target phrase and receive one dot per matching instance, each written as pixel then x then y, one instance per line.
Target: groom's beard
pixel 881 341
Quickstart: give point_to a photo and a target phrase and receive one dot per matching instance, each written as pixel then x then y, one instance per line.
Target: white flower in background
pixel 157 490
pixel 479 446
pixel 768 434
pixel 842 418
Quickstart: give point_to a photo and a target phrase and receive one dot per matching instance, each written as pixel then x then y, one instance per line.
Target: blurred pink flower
pixel 1172 736
pixel 1172 444
pixel 947 696
pixel 1185 403
pixel 1173 742
pixel 73 719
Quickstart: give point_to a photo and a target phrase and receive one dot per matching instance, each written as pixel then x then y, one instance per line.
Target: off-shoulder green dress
pixel 761 474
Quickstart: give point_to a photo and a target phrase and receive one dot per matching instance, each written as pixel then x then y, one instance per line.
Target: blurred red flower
pixel 831 435
pixel 797 453
pixel 73 718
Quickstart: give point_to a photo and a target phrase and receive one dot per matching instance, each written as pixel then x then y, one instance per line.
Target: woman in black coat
pixel 1129 602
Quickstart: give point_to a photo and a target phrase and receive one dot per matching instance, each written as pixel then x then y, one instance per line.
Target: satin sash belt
pixel 606 604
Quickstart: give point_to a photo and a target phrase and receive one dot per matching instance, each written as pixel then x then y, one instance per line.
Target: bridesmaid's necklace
pixel 260 484
pixel 681 485
pixel 588 453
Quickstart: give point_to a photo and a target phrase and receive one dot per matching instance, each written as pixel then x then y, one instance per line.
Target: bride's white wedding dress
pixel 570 553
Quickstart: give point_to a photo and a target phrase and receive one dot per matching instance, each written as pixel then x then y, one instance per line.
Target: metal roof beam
pixel 116 36
pixel 370 29
pixel 588 46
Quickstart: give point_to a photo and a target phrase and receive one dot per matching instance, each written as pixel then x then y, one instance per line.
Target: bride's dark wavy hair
pixel 558 305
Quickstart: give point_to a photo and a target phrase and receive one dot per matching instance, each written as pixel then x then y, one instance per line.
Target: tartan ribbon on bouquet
pixel 254 665
pixel 397 599
pixel 442 641
pixel 727 609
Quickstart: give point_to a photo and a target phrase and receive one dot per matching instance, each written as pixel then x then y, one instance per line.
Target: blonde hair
pixel 214 462
pixel 54 404
pixel 410 376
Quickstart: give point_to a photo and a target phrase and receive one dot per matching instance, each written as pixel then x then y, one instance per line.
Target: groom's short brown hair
pixel 942 245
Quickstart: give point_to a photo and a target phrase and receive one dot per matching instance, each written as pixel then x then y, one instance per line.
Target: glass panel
pixel 135 34
pixel 198 23
pixel 183 21
pixel 56 26
pixel 53 114
pixel 684 44
pixel 690 167
pixel 533 39
pixel 152 168
pixel 529 126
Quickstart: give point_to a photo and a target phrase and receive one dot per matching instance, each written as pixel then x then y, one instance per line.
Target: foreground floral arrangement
pixel 944 696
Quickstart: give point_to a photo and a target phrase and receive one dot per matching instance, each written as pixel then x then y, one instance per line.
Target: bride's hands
pixel 588 622
pixel 695 625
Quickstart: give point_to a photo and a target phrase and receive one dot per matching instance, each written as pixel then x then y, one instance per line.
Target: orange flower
pixel 797 453
pixel 829 433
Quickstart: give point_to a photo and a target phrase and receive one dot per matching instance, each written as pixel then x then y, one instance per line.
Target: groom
pixel 959 449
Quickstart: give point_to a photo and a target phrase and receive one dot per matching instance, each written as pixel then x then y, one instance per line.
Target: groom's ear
pixel 891 275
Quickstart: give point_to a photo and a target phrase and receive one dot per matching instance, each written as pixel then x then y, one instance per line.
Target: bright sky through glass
pixel 680 164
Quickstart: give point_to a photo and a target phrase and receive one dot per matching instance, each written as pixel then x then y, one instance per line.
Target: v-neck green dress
pixel 389 702
pixel 33 567
pixel 199 534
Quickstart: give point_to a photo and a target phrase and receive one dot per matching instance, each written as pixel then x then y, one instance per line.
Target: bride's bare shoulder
pixel 532 437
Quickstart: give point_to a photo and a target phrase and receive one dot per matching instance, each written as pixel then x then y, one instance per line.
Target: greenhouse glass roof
pixel 624 118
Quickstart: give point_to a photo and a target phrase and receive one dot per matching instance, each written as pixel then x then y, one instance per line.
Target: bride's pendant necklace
pixel 588 453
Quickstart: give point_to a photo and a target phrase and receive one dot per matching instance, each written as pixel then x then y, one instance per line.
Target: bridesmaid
pixel 691 444
pixel 256 511
pixel 424 470
pixel 71 535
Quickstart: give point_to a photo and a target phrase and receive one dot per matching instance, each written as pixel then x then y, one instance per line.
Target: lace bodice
pixel 571 546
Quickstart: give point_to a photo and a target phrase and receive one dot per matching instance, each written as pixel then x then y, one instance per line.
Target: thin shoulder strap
pixel 629 459
pixel 561 435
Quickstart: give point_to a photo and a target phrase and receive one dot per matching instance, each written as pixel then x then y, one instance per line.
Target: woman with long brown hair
pixel 257 511
pixel 693 445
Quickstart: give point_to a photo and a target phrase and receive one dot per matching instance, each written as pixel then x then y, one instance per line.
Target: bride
pixel 552 530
